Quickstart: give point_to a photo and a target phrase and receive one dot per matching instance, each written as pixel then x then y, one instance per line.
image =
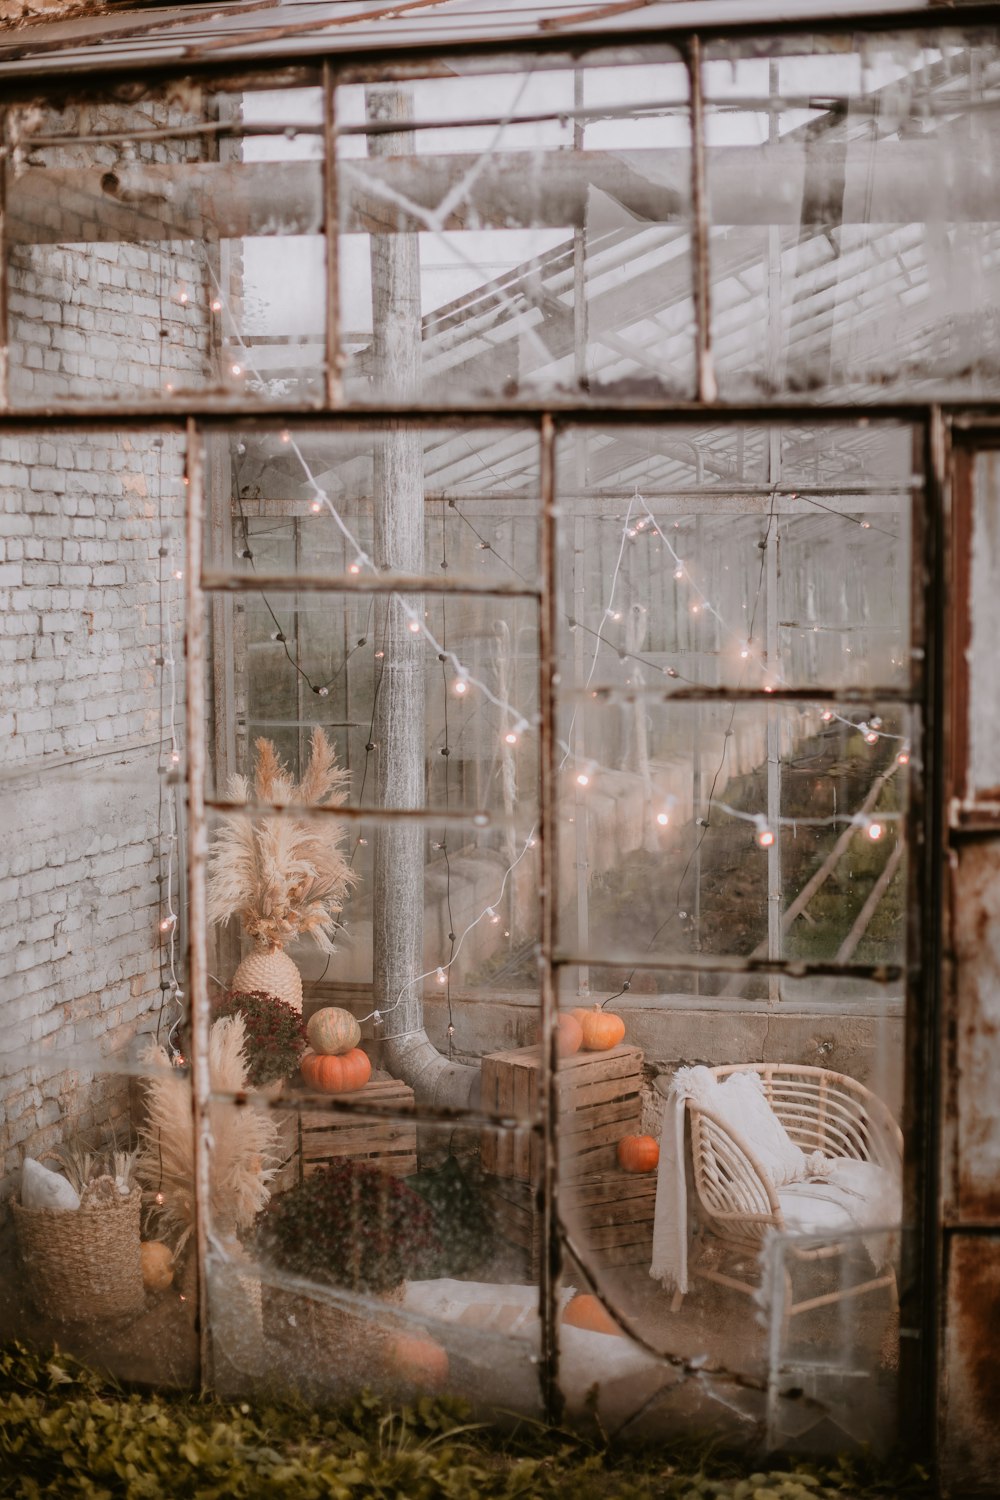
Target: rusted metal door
pixel 969 1384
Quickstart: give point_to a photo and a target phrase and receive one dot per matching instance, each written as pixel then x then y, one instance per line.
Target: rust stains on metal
pixel 971 1433
pixel 977 1032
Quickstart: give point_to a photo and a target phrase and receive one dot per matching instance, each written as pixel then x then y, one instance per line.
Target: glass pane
pixel 682 825
pixel 441 917
pixel 459 671
pixel 143 260
pixel 736 557
pixel 839 265
pixel 375 1263
pixel 663 1217
pixel 534 237
pixel 91 869
pixel 443 501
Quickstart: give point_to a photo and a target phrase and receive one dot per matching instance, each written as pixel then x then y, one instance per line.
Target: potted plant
pixel 275 1036
pixel 347 1225
pixel 283 873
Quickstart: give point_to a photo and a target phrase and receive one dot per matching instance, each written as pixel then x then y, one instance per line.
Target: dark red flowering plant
pixel 275 1034
pixel 351 1225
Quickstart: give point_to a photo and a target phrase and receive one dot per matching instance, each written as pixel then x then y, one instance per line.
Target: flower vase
pixel 270 971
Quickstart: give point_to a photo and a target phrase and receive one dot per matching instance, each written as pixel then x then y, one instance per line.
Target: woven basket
pixel 83 1264
pixel 271 973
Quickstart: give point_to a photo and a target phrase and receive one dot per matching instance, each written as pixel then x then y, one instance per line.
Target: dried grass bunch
pixel 244 1142
pixel 82 1164
pixel 282 875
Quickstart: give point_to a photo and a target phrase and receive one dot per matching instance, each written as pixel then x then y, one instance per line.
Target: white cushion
pixel 41 1188
pixel 740 1102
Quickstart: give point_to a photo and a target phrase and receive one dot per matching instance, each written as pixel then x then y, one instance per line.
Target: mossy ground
pixel 66 1431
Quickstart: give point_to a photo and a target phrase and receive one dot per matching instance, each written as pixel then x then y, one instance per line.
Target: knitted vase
pixel 272 972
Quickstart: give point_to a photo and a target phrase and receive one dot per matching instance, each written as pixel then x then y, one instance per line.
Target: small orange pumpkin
pixel 638 1153
pixel 333 1031
pixel 602 1029
pixel 570 1038
pixel 336 1075
pixel 419 1361
pixel 585 1311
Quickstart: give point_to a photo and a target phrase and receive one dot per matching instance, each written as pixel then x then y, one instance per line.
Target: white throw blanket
pixel 818 1194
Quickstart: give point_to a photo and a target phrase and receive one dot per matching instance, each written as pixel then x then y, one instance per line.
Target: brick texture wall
pixel 83 516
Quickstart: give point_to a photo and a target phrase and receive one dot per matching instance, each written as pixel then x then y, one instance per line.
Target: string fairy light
pixel 415 625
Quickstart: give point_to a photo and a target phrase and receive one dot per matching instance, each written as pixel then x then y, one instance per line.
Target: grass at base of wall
pixel 66 1431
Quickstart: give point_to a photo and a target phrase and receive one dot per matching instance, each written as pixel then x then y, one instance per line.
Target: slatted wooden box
pixel 313 1137
pixel 608 1216
pixel 599 1102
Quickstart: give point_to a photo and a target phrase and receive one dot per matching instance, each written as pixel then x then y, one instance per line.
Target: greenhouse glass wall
pixel 500 778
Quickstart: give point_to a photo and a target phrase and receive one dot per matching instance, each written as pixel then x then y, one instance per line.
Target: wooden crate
pixel 608 1216
pixel 322 1135
pixel 599 1102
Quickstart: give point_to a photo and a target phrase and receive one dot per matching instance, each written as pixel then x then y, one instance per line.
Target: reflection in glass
pixel 837 261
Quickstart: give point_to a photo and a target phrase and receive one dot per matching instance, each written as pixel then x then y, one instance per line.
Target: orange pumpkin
pixel 586 1311
pixel 336 1075
pixel 638 1153
pixel 419 1361
pixel 570 1038
pixel 333 1031
pixel 602 1029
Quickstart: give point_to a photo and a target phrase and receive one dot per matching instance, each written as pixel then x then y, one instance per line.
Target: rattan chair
pixel 738 1204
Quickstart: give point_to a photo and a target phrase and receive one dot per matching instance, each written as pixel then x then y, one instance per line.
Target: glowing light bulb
pixel 663 819
pixel 442 977
pixel 696 609
pixel 216 305
pixel 616 615
pixel 158 1199
pixel 167 923
pixel 510 738
pixel 765 836
pixel 874 830
pixel 903 758
pixel 168 388
pixel 679 571
pixel 583 779
pixel 286 436
pixel 872 736
pixel 826 716
pixel 354 568
pixel 744 653
pixel 178 573
pixel 236 369
pixel 866 525
pixel 492 915
pixel 315 507
pixel 413 626
pixel 183 297
pixel 461 688
pixel 175 757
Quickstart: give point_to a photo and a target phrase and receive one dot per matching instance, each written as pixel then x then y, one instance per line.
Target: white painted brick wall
pixel 79 691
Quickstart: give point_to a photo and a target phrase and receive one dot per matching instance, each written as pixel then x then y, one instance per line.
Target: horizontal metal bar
pixel 359 62
pixel 692 693
pixel 239 414
pixel 337 1104
pixel 360 583
pixel 477 816
pixel 709 963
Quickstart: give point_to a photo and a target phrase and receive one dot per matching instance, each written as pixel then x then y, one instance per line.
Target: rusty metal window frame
pixel 933 421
